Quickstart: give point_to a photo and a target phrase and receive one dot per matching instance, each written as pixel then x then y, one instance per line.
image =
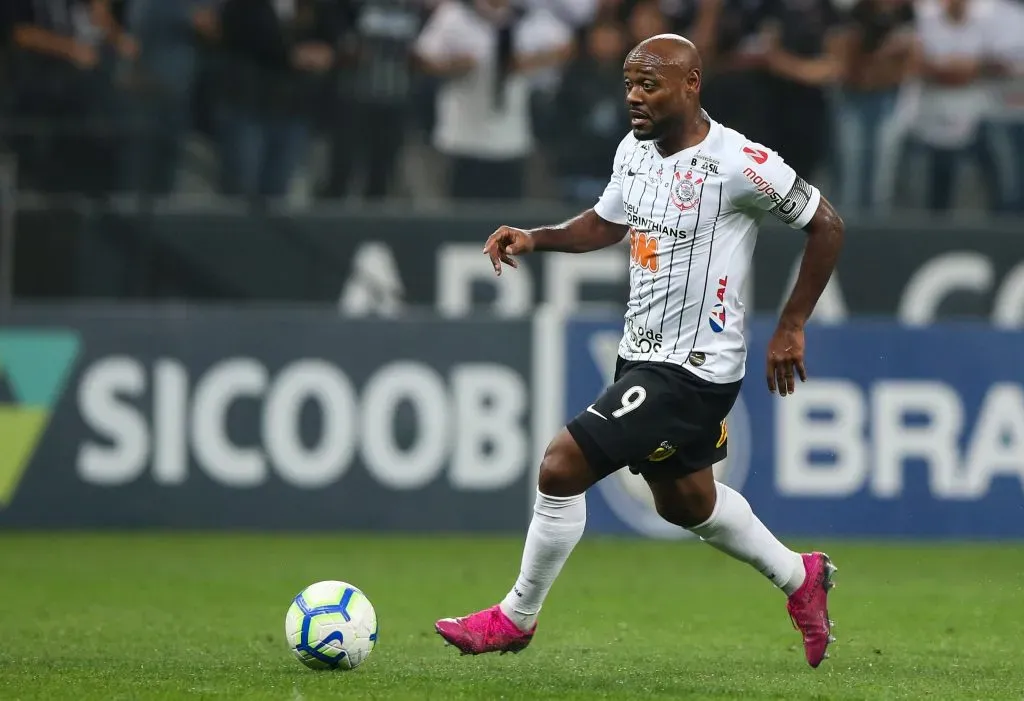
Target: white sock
pixel 735 530
pixel 557 526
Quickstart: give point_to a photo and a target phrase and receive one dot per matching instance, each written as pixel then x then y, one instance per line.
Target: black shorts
pixel 659 419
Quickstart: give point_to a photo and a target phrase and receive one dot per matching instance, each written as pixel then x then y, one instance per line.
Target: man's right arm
pixel 585 232
pixel 603 225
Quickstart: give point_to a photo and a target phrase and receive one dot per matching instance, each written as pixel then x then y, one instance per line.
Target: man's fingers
pixel 801 370
pixel 495 260
pixel 771 375
pixel 508 260
pixel 493 249
pixel 516 246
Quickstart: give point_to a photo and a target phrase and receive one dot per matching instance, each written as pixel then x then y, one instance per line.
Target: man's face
pixel 657 94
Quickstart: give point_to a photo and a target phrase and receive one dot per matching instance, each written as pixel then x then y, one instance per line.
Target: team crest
pixel 685 192
pixel 663 452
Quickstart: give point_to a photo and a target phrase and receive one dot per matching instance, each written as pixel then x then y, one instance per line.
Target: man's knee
pixel 564 471
pixel 686 502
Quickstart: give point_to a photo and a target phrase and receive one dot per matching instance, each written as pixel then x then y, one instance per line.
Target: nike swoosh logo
pixel 595 412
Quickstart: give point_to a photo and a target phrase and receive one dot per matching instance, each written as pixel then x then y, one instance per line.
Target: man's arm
pixel 601 226
pixel 802 207
pixel 825 234
pixel 585 232
pixel 786 347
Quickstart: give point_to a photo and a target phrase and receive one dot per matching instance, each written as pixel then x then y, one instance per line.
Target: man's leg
pixel 722 517
pixel 619 427
pixel 559 517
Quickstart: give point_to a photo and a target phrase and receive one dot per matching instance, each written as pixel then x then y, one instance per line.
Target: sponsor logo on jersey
pixel 644 340
pixel 643 250
pixel 756 155
pixel 697 358
pixel 717 317
pixel 762 185
pixel 685 194
pixel 646 225
pixel 705 164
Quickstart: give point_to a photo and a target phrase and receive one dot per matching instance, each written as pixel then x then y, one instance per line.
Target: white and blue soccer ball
pixel 331 625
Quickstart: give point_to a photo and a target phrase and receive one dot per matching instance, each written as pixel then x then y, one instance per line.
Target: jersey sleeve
pixel 764 182
pixel 609 206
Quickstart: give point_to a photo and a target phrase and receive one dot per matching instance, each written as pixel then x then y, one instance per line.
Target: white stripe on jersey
pixel 693 219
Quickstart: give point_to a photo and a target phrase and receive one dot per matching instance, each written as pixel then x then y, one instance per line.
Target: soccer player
pixel 690 193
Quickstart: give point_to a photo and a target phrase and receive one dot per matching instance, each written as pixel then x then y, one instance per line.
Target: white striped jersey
pixel 694 218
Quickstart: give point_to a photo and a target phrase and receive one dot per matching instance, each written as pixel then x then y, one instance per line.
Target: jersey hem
pixel 681 361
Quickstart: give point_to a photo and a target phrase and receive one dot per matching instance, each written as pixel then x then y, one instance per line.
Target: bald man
pixel 690 193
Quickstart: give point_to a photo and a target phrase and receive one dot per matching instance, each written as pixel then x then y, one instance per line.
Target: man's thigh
pixel 656 419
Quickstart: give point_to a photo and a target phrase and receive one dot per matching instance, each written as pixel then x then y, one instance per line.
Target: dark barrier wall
pixel 381 262
pixel 271 420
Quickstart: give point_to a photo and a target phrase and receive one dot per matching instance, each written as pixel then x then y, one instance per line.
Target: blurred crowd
pixel 501 99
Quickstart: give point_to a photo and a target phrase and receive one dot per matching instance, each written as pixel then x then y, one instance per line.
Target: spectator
pixel 61 90
pixel 592 94
pixel 803 60
pixel 876 49
pixel 372 107
pixel 275 70
pixel 691 18
pixel 485 51
pixel 644 20
pixel 734 64
pixel 953 61
pixel 1008 47
pixel 161 87
pixel 578 14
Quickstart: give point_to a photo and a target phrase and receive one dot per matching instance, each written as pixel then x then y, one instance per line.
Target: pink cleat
pixel 808 607
pixel 489 630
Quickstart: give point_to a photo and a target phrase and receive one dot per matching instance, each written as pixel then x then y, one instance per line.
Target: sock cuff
pixel 559 502
pixel 721 494
pixel 564 510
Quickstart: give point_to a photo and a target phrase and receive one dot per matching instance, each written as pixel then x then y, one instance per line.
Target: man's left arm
pixel 765 177
pixel 821 253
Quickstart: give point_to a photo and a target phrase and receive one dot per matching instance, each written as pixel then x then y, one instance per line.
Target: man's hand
pixel 505 243
pixel 786 354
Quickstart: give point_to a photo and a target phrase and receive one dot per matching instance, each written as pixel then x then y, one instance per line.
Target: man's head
pixel 662 78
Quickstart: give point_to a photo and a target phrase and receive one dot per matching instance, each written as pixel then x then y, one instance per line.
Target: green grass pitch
pixel 136 617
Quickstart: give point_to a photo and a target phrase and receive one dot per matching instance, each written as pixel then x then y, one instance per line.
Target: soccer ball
pixel 331 625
